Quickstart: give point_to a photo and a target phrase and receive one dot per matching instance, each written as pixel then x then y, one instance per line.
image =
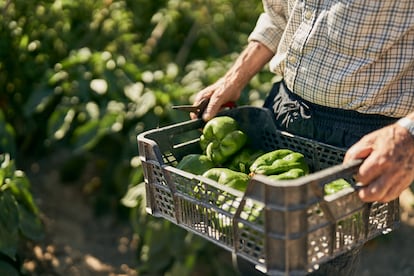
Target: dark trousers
pixel 333 126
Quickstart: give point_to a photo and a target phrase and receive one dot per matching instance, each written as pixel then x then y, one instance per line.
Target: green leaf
pixel 89 134
pixel 9 214
pixel 86 136
pixel 19 186
pixel 7 135
pixel 146 102
pixel 110 122
pixel 38 101
pixel 60 121
pixel 9 222
pixel 7 269
pixel 7 165
pixel 2 177
pixel 30 225
pixel 133 195
pixel 136 176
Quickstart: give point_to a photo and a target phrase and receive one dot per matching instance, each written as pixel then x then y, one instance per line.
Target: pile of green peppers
pixel 229 159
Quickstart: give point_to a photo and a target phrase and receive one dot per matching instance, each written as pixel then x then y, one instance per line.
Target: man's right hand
pixel 219 94
pixel 228 88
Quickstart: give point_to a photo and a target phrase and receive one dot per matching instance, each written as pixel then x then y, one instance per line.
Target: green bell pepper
pixel 195 163
pixel 224 176
pixel 279 161
pixel 289 175
pixel 336 186
pixel 243 159
pixel 221 138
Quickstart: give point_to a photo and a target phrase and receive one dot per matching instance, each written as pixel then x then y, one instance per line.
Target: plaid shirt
pixel 352 54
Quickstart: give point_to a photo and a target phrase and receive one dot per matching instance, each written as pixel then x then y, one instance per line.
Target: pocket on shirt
pixel 363 28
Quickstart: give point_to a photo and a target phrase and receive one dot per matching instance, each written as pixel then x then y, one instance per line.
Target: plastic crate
pixel 298 228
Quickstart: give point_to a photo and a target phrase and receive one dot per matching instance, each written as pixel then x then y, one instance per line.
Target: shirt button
pixel 308 15
pixel 292 59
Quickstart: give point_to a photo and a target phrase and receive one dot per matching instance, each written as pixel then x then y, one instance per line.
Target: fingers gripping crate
pixel 283 227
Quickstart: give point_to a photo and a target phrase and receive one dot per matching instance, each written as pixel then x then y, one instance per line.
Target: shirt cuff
pixel 407 124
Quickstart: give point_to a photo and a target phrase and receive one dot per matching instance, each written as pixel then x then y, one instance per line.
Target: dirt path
pixel 77 242
pixel 80 244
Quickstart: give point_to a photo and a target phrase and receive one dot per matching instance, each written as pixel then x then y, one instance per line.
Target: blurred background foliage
pixel 89 76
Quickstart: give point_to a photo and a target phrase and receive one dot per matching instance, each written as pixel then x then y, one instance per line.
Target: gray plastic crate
pixel 295 227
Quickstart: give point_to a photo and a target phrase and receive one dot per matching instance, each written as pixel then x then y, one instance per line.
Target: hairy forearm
pixel 253 58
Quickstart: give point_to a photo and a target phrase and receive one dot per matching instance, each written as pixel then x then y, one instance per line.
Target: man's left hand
pixel 388 166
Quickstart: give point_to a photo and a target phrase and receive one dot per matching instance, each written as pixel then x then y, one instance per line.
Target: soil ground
pixel 78 243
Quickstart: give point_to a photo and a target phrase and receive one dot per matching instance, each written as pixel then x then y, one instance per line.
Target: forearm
pixel 250 61
pixel 253 58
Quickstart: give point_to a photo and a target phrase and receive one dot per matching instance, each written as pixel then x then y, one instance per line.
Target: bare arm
pixel 388 168
pixel 229 87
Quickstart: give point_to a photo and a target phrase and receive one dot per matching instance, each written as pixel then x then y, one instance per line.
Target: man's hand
pixel 219 94
pixel 228 88
pixel 388 168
